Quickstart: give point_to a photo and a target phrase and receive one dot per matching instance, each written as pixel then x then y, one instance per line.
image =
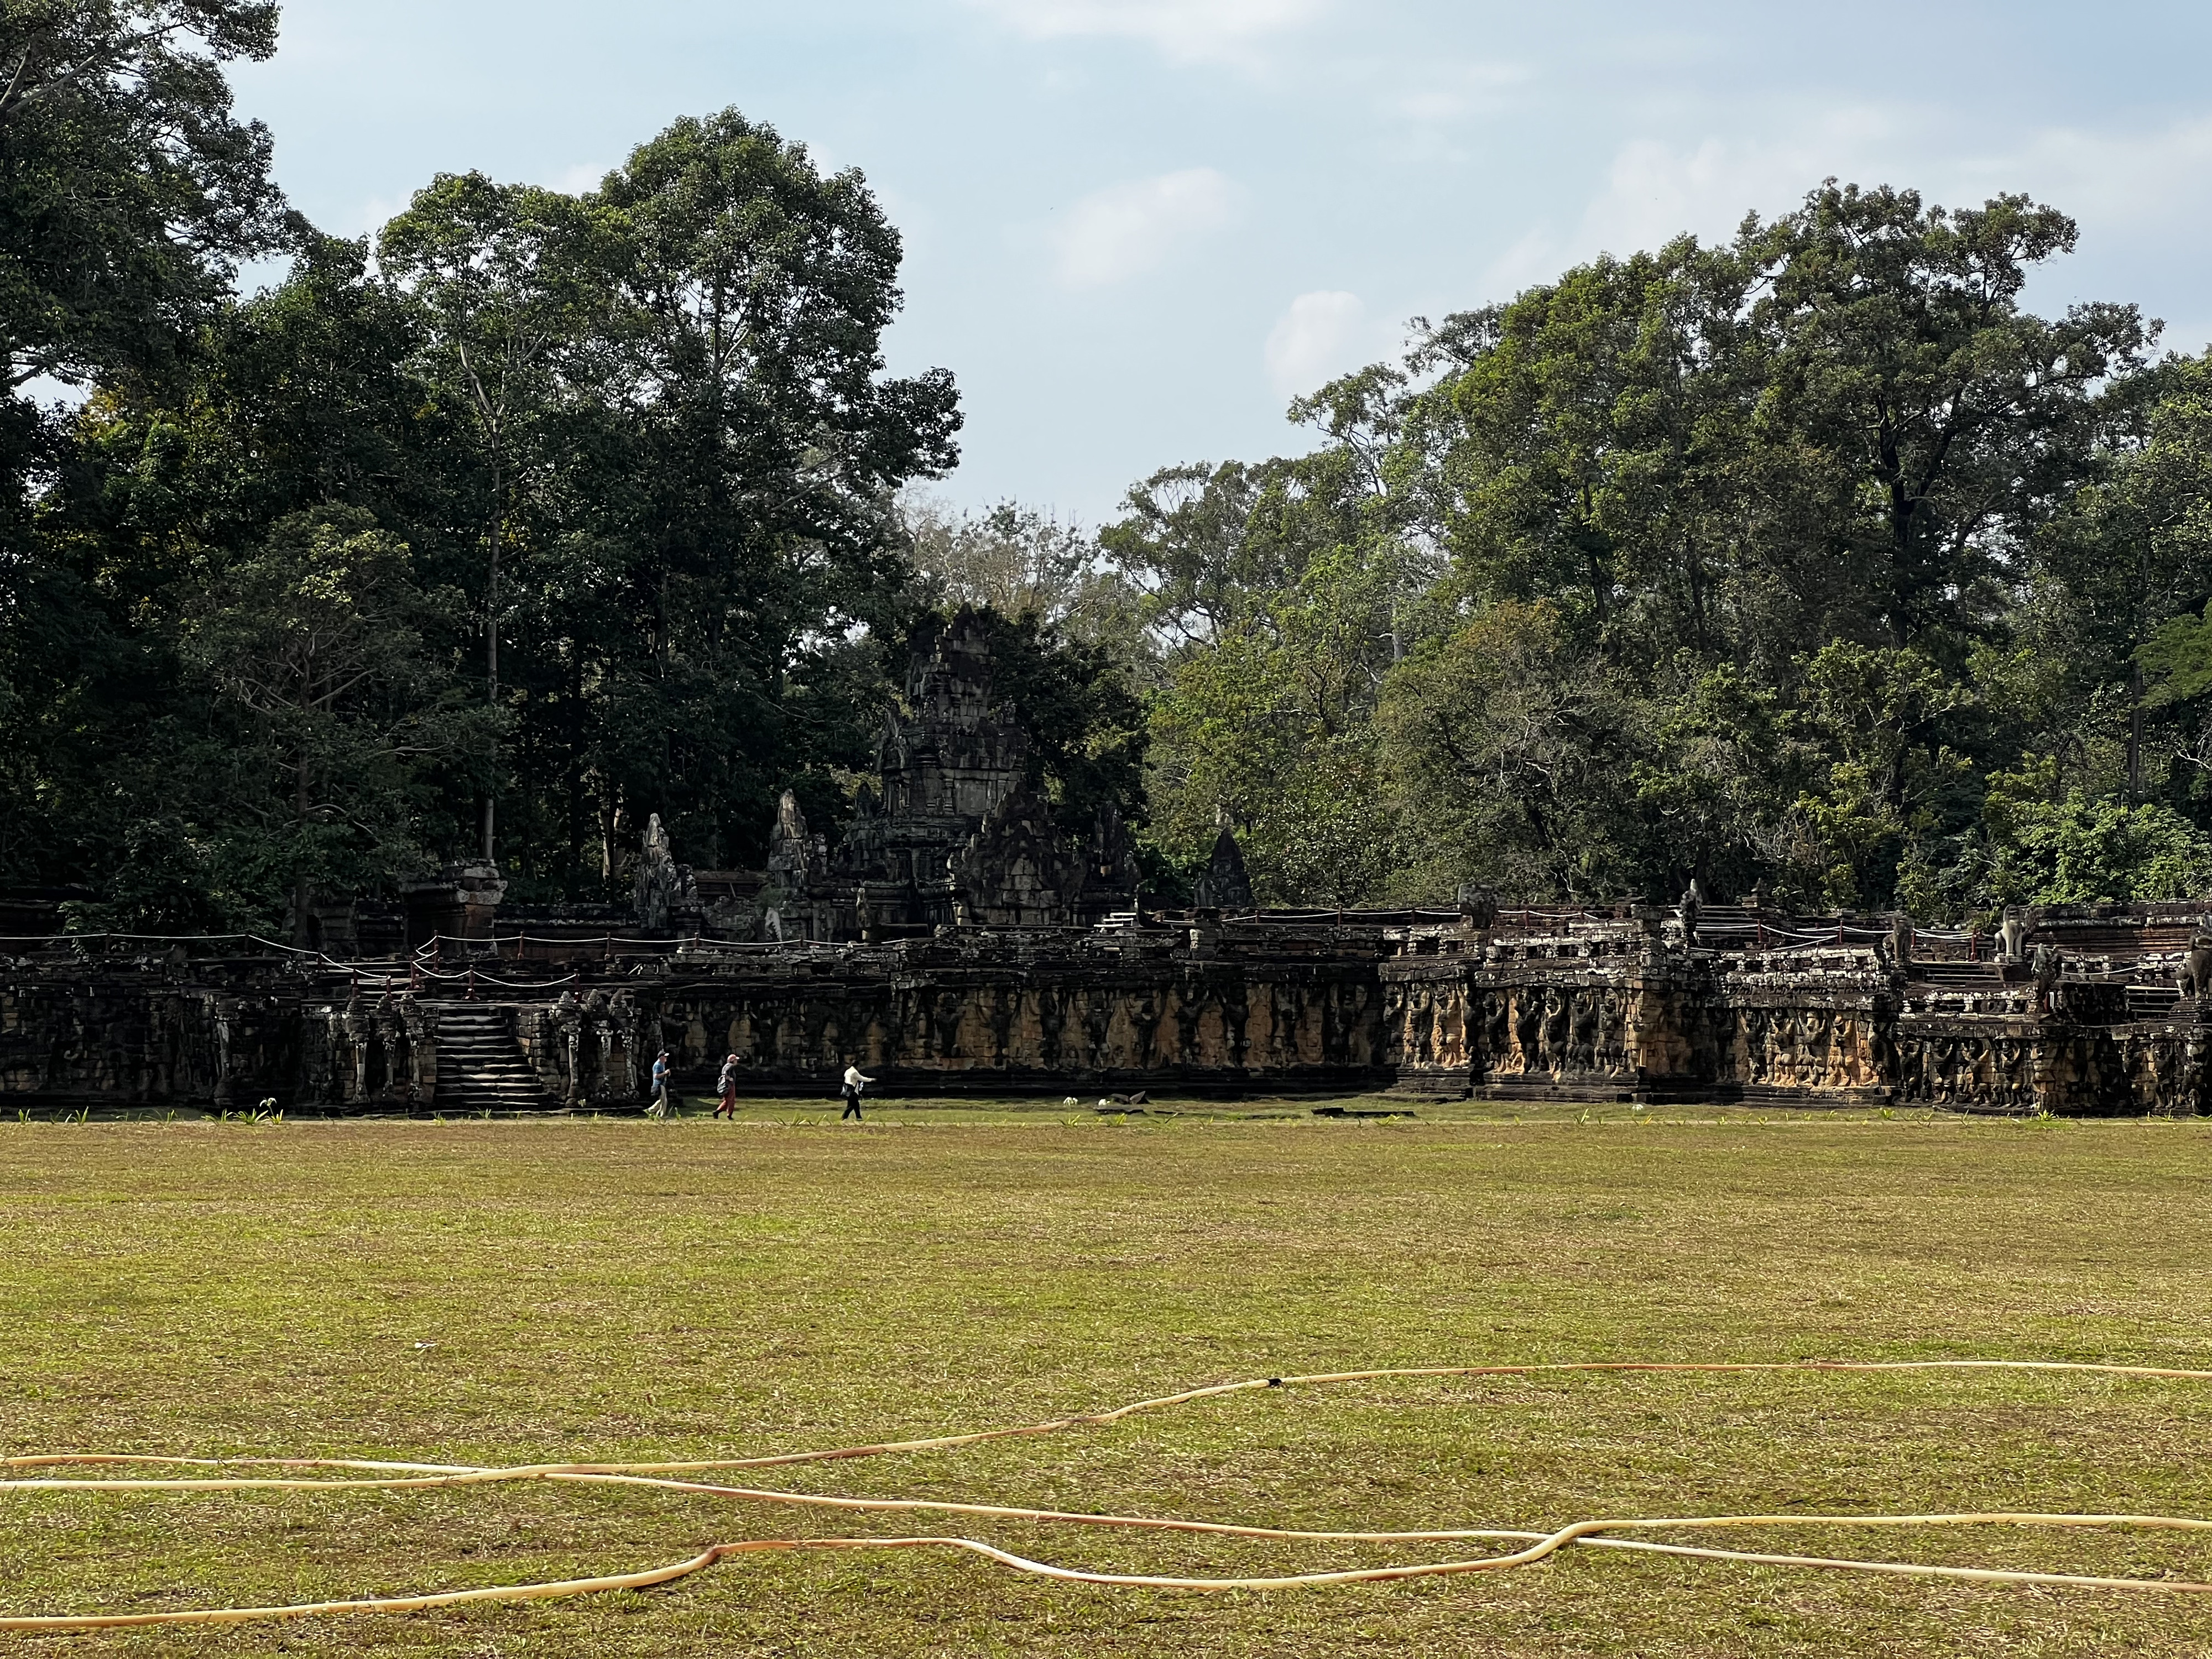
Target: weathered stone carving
pixel 790 851
pixel 1224 886
pixel 951 833
pixel 1478 907
pixel 457 901
pixel 2194 976
pixel 2046 969
pixel 1017 870
pixel 1590 1008
pixel 663 888
pixel 1110 873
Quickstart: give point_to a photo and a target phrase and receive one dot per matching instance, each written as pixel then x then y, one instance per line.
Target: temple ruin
pixel 957 937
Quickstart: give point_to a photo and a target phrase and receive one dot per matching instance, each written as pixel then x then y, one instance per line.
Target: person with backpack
pixel 727 1088
pixel 853 1084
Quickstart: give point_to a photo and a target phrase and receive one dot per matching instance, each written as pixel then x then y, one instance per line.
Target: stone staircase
pixel 481 1066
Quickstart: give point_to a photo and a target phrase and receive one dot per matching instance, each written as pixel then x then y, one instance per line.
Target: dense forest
pixel 1815 562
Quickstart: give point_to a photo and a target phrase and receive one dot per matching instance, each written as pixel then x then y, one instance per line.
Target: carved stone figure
pixel 789 848
pixel 1478 907
pixel 2195 974
pixel 2047 967
pixel 1687 911
pixel 1552 1034
pixel 657 882
pixel 1583 1033
pixel 2012 938
pixel 1527 1020
pixel 1113 852
pixel 1900 939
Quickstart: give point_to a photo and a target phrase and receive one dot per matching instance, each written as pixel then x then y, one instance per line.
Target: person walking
pixel 853 1084
pixel 659 1107
pixel 727 1088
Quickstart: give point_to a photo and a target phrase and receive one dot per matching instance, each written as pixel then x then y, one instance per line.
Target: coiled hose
pixel 1599 1533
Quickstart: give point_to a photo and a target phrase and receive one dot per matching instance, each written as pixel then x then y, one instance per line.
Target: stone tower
pixel 945 761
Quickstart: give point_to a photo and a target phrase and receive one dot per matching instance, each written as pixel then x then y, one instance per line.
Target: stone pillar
pixel 458 902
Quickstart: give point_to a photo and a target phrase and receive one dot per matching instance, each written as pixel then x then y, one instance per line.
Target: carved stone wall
pixel 1603 1012
pixel 595 1049
pixel 135 1035
pixel 996 1010
pixel 1619 1005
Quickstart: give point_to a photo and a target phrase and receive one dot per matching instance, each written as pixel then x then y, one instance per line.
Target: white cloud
pixel 1655 190
pixel 581 180
pixel 1320 336
pixel 1437 94
pixel 2140 193
pixel 1187 31
pixel 1129 229
pixel 2113 177
pixel 2109 180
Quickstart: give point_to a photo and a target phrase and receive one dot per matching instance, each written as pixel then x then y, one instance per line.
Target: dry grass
pixel 510 1291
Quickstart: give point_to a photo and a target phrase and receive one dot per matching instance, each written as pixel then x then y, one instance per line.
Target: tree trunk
pixel 491 653
pixel 303 894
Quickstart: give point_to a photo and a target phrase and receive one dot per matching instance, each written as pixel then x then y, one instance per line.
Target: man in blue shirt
pixel 660 1106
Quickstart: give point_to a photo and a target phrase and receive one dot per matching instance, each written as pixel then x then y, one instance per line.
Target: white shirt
pixel 853 1078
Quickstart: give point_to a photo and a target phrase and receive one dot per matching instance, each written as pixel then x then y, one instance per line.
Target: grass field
pixel 503 1292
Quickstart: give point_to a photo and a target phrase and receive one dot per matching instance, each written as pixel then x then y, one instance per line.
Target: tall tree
pixel 127 191
pixel 1908 397
pixel 128 194
pixel 335 704
pixel 516 286
pixel 757 526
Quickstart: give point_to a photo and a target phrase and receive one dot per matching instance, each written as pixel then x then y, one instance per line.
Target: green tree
pixel 126 188
pixel 1187 542
pixel 2050 844
pixel 1888 780
pixel 1505 738
pixel 1265 707
pixel 1022 563
pixel 514 286
pixel 1718 770
pixel 1908 395
pixel 127 195
pixel 313 647
pixel 1585 444
pixel 753 529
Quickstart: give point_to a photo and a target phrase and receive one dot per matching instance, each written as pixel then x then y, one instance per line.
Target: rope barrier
pixel 386 1475
pixel 162 938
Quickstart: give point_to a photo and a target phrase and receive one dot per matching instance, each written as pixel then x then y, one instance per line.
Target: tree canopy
pixel 535 515
pixel 1812 561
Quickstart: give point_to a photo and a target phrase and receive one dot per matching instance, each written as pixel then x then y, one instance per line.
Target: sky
pixel 1136 229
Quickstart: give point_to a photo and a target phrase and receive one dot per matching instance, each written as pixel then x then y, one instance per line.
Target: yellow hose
pixel 386 1475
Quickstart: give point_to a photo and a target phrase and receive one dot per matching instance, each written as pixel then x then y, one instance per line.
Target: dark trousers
pixel 852 1105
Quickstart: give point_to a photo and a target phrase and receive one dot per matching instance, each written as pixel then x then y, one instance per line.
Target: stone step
pixel 481 1066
